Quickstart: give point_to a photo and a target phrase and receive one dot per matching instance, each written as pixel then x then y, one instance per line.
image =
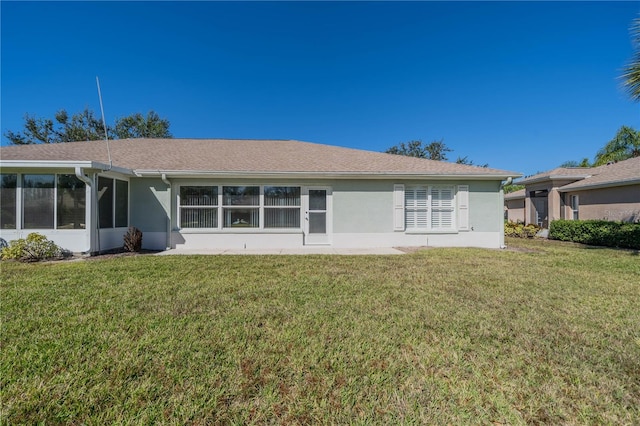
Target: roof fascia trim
pixel 319 175
pixel 609 184
pixel 516 197
pixel 38 164
pixel 550 178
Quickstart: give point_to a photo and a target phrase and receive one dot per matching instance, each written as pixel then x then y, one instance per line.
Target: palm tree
pixel 631 73
pixel 625 144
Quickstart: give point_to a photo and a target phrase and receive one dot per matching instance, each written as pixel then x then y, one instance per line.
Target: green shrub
pixel 520 230
pixel 597 233
pixel 34 248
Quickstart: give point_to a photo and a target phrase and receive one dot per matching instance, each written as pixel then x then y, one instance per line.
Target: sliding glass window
pixel 105 202
pixel 113 203
pixel 237 207
pixel 38 201
pixel 198 206
pixel 71 202
pixel 241 206
pixel 8 188
pixel 282 207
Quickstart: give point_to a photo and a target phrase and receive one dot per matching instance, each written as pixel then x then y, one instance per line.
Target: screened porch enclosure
pixel 47 201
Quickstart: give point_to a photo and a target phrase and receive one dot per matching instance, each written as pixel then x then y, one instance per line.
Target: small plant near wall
pixel 520 230
pixel 133 239
pixel 34 248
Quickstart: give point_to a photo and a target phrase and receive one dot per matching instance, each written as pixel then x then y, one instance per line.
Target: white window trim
pixel 113 202
pixel 21 213
pixel 429 210
pixel 179 208
pixel 220 207
pixel 20 204
pixel 223 207
pixel 575 207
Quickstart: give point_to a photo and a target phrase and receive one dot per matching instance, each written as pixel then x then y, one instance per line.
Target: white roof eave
pixel 319 175
pixel 58 164
pixel 528 181
pixel 609 184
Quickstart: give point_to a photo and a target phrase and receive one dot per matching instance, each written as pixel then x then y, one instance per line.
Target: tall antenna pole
pixel 104 123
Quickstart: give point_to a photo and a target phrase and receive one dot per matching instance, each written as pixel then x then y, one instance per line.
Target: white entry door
pixel 317 215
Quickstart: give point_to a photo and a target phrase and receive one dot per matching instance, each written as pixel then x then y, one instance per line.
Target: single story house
pixel 514 206
pixel 253 194
pixel 609 192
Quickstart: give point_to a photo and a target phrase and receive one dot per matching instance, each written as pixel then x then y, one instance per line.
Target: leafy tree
pixel 624 145
pixel 465 160
pixel 631 73
pixel 512 188
pixel 436 150
pixel 85 126
pixel 36 130
pixel 584 163
pixel 138 126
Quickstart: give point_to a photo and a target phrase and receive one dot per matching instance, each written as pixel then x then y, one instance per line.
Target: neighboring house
pixel 514 206
pixel 609 192
pixel 193 193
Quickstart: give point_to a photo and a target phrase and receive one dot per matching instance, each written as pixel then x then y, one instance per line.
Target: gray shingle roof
pixel 625 172
pixel 558 173
pixel 515 195
pixel 242 156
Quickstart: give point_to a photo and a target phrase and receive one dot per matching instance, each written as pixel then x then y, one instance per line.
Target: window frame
pixel 215 207
pixel 120 213
pixel 575 207
pixel 82 224
pixel 21 207
pixel 11 210
pixel 442 209
pixel 103 199
pixel 427 207
pixel 292 207
pixel 114 203
pixel 231 205
pixel 226 205
pixel 419 209
pixel 50 199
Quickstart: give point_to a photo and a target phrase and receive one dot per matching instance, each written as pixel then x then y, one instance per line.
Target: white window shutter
pixel 398 207
pixel 442 208
pixel 463 207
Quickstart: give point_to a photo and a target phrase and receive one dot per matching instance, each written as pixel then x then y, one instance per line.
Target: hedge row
pixel 597 233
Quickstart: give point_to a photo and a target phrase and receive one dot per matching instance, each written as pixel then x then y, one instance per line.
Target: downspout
pixel 167 182
pixel 80 175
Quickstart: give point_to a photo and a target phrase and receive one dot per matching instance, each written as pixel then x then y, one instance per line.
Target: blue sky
pixel 522 86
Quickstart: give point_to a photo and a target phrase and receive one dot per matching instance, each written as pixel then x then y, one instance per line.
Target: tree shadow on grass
pixel 632 252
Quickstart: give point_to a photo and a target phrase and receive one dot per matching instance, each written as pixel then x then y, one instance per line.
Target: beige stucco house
pixel 609 192
pixel 244 194
pixel 514 206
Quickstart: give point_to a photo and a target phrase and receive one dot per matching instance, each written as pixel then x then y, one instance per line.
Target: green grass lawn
pixel 546 334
